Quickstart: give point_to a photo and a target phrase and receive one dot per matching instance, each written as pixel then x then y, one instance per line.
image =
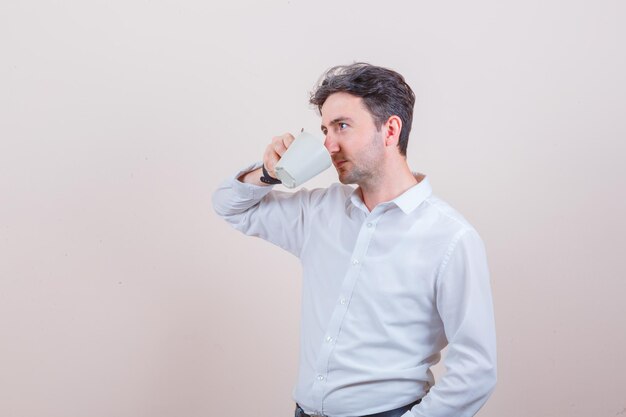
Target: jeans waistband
pixel 391 413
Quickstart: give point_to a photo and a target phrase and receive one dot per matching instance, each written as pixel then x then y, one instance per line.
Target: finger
pixel 278 145
pixel 275 151
pixel 270 159
pixel 288 139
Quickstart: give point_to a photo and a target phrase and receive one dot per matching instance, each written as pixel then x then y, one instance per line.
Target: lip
pixel 340 163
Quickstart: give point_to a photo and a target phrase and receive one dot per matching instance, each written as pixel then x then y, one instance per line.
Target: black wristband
pixel 267 179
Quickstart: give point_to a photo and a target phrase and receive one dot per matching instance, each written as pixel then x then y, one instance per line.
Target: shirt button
pixel 369 225
pixel 329 339
pixel 320 377
pixel 342 301
pixel 355 262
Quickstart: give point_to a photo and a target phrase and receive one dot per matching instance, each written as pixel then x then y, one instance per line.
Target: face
pixel 354 143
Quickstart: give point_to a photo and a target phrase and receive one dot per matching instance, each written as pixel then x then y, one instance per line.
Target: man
pixel 391 273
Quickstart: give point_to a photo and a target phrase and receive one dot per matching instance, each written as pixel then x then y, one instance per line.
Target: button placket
pixel 360 249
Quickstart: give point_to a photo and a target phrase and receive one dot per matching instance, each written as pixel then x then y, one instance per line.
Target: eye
pixel 342 125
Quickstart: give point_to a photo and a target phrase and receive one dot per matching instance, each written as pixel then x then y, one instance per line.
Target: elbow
pixel 215 203
pixel 485 377
pixel 230 211
pixel 489 368
pixel 493 383
pixel 490 379
pixel 219 202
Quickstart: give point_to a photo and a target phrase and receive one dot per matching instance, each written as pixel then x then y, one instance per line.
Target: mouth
pixel 339 163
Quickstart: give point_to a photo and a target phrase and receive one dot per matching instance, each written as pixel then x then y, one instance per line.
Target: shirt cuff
pixel 250 191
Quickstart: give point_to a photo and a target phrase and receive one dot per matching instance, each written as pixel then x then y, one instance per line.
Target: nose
pixel 331 144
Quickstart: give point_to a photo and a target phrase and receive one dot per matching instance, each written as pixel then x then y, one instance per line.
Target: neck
pixel 387 185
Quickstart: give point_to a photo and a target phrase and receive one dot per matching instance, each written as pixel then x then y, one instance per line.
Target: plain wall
pixel 123 295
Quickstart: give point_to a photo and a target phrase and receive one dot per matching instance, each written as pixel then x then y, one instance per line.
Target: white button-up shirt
pixel 383 293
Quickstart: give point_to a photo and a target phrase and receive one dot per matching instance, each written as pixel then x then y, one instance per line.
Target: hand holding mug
pixel 302 159
pixel 275 151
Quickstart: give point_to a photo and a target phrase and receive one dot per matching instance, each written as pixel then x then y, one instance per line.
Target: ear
pixel 391 131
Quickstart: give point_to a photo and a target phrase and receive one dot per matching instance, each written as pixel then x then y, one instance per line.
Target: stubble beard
pixel 356 175
pixel 365 170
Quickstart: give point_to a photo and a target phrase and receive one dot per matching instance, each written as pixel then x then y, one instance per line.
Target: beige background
pixel 123 295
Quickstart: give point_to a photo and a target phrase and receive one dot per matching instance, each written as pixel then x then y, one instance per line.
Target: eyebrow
pixel 337 120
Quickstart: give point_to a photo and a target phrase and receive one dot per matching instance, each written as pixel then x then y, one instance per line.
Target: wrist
pixel 266 178
pixel 252 177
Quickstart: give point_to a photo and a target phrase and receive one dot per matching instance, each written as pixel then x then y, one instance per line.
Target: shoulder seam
pixel 449 251
pixel 436 207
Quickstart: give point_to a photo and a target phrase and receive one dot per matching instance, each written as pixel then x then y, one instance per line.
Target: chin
pixel 344 179
pixel 346 176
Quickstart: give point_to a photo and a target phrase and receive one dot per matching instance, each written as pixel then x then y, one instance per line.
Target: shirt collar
pixel 407 201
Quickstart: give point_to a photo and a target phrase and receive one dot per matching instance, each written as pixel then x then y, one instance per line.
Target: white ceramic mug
pixel 305 158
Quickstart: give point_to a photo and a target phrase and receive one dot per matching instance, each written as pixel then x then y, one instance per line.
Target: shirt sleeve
pixel 465 306
pixel 260 211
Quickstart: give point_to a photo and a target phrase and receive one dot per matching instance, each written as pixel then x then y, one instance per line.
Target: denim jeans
pixel 392 413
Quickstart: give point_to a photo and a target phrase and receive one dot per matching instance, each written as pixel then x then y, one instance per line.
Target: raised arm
pixel 272 154
pixel 253 208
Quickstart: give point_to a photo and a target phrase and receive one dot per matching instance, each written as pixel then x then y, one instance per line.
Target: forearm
pixel 252 177
pixel 272 154
pixel 256 210
pixel 470 378
pixel 235 196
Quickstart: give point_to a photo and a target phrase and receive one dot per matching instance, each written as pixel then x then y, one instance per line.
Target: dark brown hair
pixel 384 93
